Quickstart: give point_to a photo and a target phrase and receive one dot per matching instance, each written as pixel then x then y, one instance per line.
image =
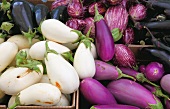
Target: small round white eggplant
pixel 2 40
pixel 71 46
pixel 57 31
pixel 45 79
pixel 43 94
pixel 21 41
pixel 93 51
pixel 13 80
pixel 8 51
pixel 84 62
pixel 63 101
pixel 37 51
pixel 61 73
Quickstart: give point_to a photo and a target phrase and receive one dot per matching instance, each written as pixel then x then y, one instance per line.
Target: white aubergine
pixel 63 101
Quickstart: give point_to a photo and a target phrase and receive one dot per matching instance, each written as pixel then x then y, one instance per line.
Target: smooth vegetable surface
pixel 164 82
pixel 113 106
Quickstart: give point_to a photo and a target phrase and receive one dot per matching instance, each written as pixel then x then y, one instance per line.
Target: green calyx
pixel 3 35
pixel 16 103
pixel 117 34
pixel 5 6
pixel 6 26
pixel 158 104
pixel 92 107
pixel 97 16
pixel 68 56
pixel 22 61
pixel 29 35
pixel 159 93
pixel 124 75
pixel 141 78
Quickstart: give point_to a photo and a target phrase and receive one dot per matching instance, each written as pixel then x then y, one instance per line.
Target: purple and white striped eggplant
pixel 57 3
pixel 101 8
pixel 129 36
pixel 77 24
pixel 132 93
pixel 114 2
pixel 89 24
pixel 95 92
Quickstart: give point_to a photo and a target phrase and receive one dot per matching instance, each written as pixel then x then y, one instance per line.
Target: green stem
pixel 4 2
pixel 88 33
pixel 124 75
pixel 7 26
pixel 146 80
pixel 3 35
pixel 29 35
pixel 48 50
pixel 68 55
pixel 97 16
pixel 13 106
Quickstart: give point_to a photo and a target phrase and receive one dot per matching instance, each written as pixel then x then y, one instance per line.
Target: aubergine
pixel 158 3
pixel 23 17
pixel 41 13
pixel 29 3
pixel 60 13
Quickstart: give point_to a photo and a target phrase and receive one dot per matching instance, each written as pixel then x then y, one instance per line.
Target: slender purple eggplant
pixel 124 56
pixel 114 106
pixel 89 24
pixel 138 12
pixel 75 9
pixel 77 24
pixel 105 71
pixel 129 92
pixel 114 2
pixel 95 92
pixel 101 8
pixel 57 3
pixel 165 83
pixel 117 17
pixel 139 76
pixel 154 71
pixel 129 36
pixel 156 91
pixel 103 37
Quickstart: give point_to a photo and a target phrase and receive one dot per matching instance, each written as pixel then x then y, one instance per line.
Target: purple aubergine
pixel 105 71
pixel 57 3
pixel 138 12
pixel 154 71
pixel 142 68
pixel 114 106
pixel 124 56
pixel 95 92
pixel 76 24
pixel 156 91
pixel 104 41
pixel 89 24
pixel 101 8
pixel 117 17
pixel 75 9
pixel 114 2
pixel 129 36
pixel 165 84
pixel 167 104
pixel 139 76
pixel 132 93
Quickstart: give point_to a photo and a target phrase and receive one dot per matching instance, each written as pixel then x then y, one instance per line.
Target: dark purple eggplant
pixel 57 3
pixel 23 17
pixel 114 2
pixel 89 24
pixel 158 3
pixel 29 3
pixel 139 76
pixel 156 91
pixel 129 92
pixel 138 12
pixel 154 71
pixel 165 83
pixel 167 104
pixel 60 13
pixel 142 68
pixel 129 35
pixel 95 92
pixel 166 39
pixel 160 54
pixel 103 37
pixel 105 71
pixel 41 13
pixel 76 24
pixel 117 17
pixel 114 106
pixel 75 9
pixel 101 8
pixel 124 56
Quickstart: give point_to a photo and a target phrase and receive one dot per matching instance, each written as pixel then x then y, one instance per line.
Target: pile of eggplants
pixel 111 25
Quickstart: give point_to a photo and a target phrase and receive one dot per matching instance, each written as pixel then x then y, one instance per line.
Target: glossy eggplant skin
pixel 159 3
pixel 41 13
pixel 60 13
pixel 22 16
pixel 29 3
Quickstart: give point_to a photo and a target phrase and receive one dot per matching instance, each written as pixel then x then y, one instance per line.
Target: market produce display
pixel 48 53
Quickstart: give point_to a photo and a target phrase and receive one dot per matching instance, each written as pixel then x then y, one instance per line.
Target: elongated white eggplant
pixel 43 94
pixel 8 50
pixel 57 31
pixel 84 62
pixel 21 41
pixel 63 101
pixel 2 40
pixel 45 79
pixel 71 46
pixel 37 51
pixel 14 80
pixel 61 73
pixel 93 51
